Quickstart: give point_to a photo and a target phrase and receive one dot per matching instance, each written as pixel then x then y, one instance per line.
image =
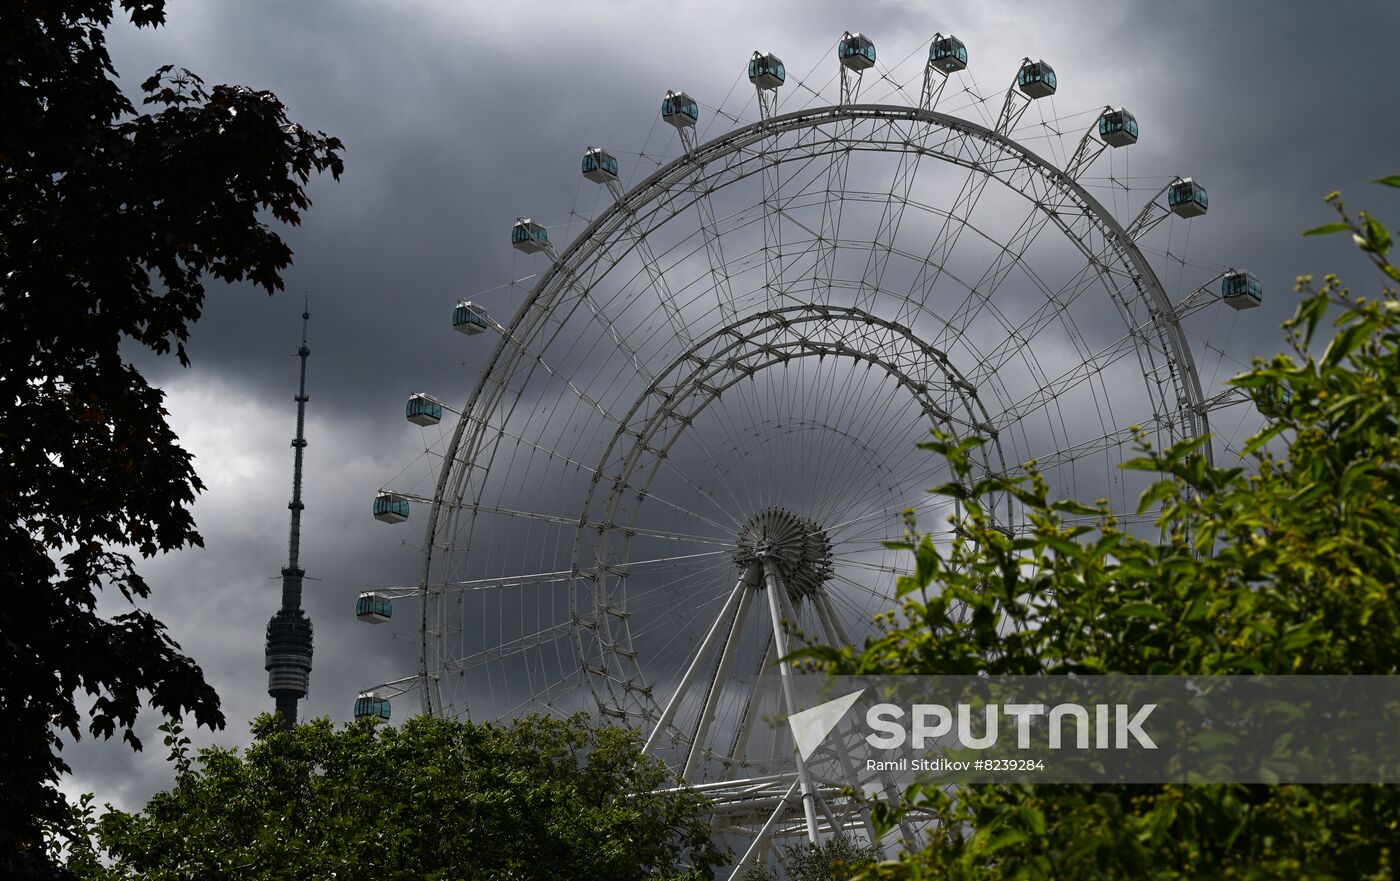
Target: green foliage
pixel 1289 566
pixel 434 799
pixel 110 220
pixel 838 858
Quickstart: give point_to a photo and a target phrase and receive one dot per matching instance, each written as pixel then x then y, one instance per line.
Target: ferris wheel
pixel 691 439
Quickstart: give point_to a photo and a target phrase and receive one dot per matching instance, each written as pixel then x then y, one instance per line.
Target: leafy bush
pixel 1288 566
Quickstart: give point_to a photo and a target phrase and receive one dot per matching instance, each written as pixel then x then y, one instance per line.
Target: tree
pixel 541 798
pixel 1291 566
pixel 110 220
pixel 838 858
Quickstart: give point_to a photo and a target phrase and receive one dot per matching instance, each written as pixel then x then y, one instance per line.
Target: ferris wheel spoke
pixel 1067 456
pixel 649 264
pixel 538 360
pixel 892 212
pixel 1010 256
pixel 824 269
pixel 780 211
pixel 1018 338
pixel 771 176
pixel 954 222
pixel 714 254
pixel 647 491
pixel 879 602
pixel 920 506
pixel 558 576
pixel 1089 370
pixel 509 647
pixel 858 611
pixel 584 523
pixel 872 567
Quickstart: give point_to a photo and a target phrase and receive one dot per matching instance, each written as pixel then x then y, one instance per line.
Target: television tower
pixel 288 658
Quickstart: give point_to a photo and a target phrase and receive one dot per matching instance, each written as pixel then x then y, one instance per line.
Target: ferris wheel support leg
pixel 775 585
pixel 739 751
pixel 760 841
pixel 790 614
pixel 669 713
pixel 726 660
pixel 835 635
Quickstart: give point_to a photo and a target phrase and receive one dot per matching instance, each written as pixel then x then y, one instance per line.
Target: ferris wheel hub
pixel 797 546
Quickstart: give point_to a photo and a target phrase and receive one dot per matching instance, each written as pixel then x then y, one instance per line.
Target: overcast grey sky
pixel 460 116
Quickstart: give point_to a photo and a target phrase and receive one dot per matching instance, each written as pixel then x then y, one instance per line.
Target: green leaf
pixel 1146 611
pixel 1343 344
pixel 1390 181
pixel 1377 235
pixel 1327 229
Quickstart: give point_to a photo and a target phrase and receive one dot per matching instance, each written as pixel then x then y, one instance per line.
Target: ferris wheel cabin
pixel 680 110
pixel 528 236
pixel 424 410
pixel 1186 198
pixel 470 318
pixel 857 52
pixel 1118 128
pixel 1241 290
pixel 374 608
pixel 599 165
pixel 372 705
pixel 1036 79
pixel 390 508
pixel 767 71
pixel 948 54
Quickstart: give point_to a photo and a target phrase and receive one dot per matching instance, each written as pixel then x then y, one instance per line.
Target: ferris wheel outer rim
pixel 1144 279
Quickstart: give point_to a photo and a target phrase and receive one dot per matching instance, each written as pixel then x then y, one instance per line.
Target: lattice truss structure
pixel 693 433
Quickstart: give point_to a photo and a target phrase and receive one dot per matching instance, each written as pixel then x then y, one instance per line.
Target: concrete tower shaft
pixel 288 655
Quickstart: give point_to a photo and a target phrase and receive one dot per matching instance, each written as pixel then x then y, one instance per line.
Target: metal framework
pixel 684 452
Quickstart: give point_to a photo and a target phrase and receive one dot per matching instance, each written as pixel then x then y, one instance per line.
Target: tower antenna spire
pixel 288 656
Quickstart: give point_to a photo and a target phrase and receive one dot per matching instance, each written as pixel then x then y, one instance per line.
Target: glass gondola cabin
pixel 599 166
pixel 1186 198
pixel 1118 128
pixel 766 71
pixel 529 236
pixel 424 410
pixel 1241 290
pixel 1036 79
pixel 374 608
pixel 1270 401
pixel 372 705
pixel 857 52
pixel 679 109
pixel 390 508
pixel 948 54
pixel 470 318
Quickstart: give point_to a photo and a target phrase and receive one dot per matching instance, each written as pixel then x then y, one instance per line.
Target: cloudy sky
pixel 460 116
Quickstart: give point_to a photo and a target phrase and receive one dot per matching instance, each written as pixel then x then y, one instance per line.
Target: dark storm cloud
pixel 459 117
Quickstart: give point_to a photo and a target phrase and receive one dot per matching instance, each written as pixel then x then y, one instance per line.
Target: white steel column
pixel 669 712
pixel 774 581
pixel 738 753
pixel 761 839
pixel 726 659
pixel 835 636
